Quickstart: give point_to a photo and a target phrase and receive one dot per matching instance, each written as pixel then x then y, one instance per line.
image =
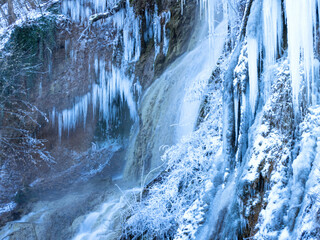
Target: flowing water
pixel 173 100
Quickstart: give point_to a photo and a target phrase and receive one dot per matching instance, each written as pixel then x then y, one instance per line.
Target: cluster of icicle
pixel 114 83
pixel 301 20
pixel 111 85
pixel 124 21
pixel 157 30
pixel 302 26
pixel 81 10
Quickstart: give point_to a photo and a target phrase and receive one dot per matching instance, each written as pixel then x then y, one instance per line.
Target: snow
pixel 268 158
pixel 290 191
pixel 23 15
pixel 306 177
pixel 178 202
pixel 191 219
pixel 7 207
pixel 4 37
pixel 291 200
pixel 24 12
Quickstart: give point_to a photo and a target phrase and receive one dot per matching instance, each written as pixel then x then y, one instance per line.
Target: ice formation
pixel 253 72
pixel 69 118
pixel 301 21
pixel 110 85
pixel 166 16
pixel 158 30
pixel 272 30
pixel 81 10
pixel 131 34
pixel 301 18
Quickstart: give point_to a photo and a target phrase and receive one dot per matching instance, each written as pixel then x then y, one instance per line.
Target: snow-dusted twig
pixel 98 16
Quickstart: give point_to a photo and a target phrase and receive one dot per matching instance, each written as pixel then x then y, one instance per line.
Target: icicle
pixel 156 31
pixel 182 2
pixel 293 12
pixel 307 26
pixel 60 125
pixel 211 19
pixel 302 22
pixel 111 85
pixel 131 35
pixel 53 116
pixel 40 89
pixel 252 47
pixel 236 109
pixel 69 118
pixel 167 17
pixel 208 8
pixel 149 26
pixel 315 83
pixel 80 10
pixel 272 29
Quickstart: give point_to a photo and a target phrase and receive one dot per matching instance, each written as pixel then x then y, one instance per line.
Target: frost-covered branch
pixel 19 118
pixel 114 10
pixel 99 16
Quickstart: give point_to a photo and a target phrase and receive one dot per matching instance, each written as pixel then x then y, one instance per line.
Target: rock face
pixel 180 30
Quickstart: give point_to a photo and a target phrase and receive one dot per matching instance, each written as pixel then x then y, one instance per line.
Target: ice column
pixel 156 31
pixel 272 30
pixel 253 72
pixel 167 17
pixel 207 8
pixel 111 86
pixel 301 22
